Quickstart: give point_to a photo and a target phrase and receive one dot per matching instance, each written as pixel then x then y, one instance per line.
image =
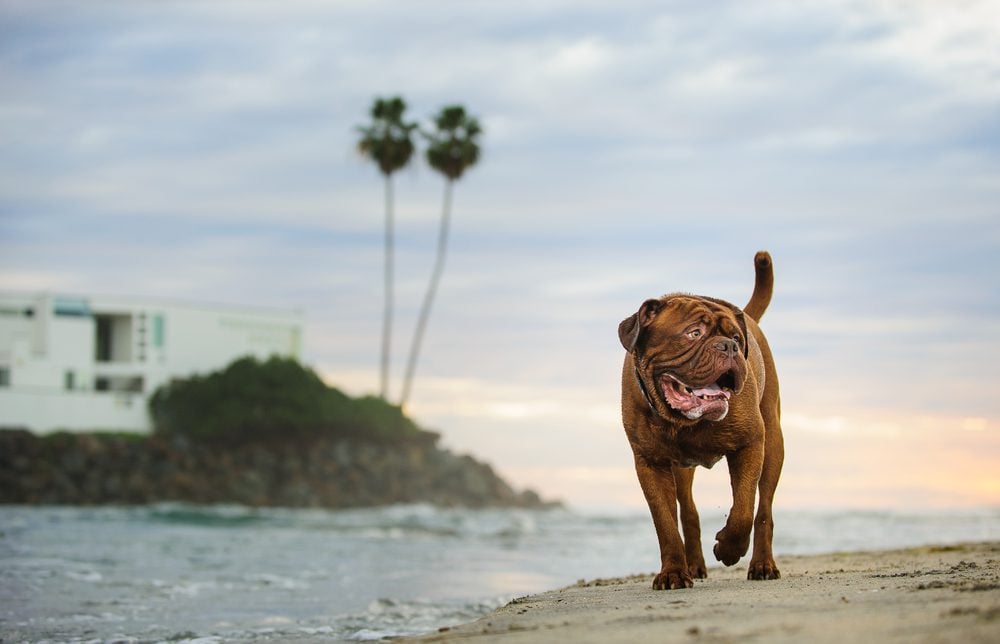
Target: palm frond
pixel 453 147
pixel 388 140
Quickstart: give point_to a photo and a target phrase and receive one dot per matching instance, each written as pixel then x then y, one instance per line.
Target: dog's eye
pixel 738 339
pixel 694 333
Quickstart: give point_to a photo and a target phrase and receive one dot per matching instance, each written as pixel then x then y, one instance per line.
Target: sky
pixel 206 151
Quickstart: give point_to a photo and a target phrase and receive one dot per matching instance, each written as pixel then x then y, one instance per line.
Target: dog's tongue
pixel 711 390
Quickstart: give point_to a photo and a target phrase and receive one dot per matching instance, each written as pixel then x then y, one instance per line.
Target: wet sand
pixel 930 594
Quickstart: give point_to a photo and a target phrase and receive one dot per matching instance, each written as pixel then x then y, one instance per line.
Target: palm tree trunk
pixel 425 310
pixel 387 306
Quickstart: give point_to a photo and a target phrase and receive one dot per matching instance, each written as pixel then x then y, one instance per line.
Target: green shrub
pixel 273 399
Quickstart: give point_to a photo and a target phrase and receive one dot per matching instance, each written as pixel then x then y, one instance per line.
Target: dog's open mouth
pixel 710 402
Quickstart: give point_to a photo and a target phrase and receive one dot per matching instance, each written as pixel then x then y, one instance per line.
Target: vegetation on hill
pixel 273 399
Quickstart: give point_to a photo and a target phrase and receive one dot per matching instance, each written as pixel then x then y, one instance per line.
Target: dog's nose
pixel 728 347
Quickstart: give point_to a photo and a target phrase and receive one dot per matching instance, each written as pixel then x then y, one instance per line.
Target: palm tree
pixel 387 141
pixel 452 149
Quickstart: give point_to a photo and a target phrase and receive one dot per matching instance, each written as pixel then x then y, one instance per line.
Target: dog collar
pixel 645 392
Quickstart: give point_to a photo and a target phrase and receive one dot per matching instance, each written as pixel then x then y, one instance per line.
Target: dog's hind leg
pixel 690 522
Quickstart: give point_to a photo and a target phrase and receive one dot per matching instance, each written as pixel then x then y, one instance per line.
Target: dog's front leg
pixel 745 466
pixel 658 485
pixel 690 522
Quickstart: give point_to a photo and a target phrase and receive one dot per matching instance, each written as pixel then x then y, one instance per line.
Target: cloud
pixel 197 151
pixel 955 44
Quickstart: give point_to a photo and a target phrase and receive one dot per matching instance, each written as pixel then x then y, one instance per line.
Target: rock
pixel 333 472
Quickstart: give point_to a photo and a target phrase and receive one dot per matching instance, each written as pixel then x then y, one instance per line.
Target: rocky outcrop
pixel 319 472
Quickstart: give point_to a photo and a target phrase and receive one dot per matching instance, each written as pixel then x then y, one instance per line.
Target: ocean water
pixel 175 572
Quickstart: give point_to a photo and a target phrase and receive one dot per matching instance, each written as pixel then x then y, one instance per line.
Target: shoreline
pixel 925 594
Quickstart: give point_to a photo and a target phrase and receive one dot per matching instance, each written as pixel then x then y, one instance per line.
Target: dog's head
pixel 690 353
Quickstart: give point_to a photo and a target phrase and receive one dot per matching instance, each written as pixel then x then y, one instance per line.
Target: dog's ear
pixel 631 327
pixel 741 320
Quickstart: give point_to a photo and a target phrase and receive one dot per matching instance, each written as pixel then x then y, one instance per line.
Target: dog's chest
pixel 704 461
pixel 691 452
pixel 688 447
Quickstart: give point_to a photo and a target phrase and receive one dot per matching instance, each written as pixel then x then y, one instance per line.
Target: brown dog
pixel 698 384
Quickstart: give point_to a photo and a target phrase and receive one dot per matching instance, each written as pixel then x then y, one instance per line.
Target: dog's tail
pixel 763 285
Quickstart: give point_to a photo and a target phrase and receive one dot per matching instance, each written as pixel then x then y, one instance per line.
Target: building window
pixel 159 331
pixel 4 376
pixel 129 384
pixel 113 338
pixel 103 340
pixel 71 307
pixel 70 380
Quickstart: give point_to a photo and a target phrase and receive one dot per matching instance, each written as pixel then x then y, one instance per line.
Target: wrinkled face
pixel 691 351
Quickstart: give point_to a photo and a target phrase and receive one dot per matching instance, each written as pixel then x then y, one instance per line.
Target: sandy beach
pixel 930 594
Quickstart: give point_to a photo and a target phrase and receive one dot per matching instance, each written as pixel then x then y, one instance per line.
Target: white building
pixel 84 363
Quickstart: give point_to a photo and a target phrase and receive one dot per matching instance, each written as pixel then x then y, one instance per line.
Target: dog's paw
pixel 729 547
pixel 764 569
pixel 697 570
pixel 672 580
